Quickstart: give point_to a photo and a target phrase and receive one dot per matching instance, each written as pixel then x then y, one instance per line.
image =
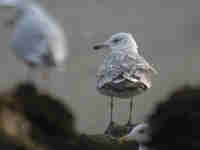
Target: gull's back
pixel 120 62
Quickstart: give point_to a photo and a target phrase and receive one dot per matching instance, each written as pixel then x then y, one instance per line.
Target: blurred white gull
pixel 37 40
pixel 124 73
pixel 139 134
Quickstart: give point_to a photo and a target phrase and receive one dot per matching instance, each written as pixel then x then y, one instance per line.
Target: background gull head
pixel 10 3
pixel 119 41
pixel 18 4
pixel 140 134
pixel 20 7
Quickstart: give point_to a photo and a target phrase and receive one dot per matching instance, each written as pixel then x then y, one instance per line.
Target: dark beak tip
pixel 97 47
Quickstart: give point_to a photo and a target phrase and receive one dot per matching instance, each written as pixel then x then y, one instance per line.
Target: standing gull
pixel 124 73
pixel 38 40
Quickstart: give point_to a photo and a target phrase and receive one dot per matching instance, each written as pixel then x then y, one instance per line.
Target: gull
pixel 140 134
pixel 37 40
pixel 124 73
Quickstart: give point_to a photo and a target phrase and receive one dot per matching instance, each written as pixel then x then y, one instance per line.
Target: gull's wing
pixel 113 69
pixel 141 63
pixel 119 66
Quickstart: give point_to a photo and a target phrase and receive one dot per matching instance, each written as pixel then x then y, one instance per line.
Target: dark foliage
pixel 175 122
pixel 30 120
pixel 52 122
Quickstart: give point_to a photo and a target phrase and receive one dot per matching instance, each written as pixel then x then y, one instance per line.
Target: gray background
pixel 167 32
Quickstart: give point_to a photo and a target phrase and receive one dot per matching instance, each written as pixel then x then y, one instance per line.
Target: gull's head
pixel 139 134
pixel 10 3
pixel 9 7
pixel 118 41
pixel 18 6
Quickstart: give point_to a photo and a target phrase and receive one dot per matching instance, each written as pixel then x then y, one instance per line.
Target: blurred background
pixel 167 33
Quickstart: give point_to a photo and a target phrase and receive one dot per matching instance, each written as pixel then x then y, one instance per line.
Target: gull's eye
pixel 117 40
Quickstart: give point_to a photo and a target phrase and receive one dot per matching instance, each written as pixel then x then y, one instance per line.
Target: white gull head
pixel 20 7
pixel 15 3
pixel 119 41
pixel 140 134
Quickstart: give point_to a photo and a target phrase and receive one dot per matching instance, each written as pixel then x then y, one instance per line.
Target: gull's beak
pixel 125 139
pixel 122 140
pixel 100 46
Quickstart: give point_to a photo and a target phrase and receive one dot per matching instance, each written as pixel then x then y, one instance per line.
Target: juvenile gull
pixel 37 40
pixel 124 73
